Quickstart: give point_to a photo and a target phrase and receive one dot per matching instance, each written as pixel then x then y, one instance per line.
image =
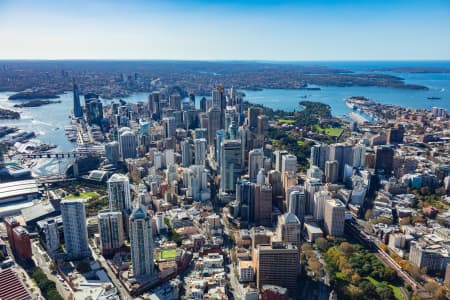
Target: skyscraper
pixel 320 198
pixel 252 117
pixel 112 152
pixel 255 163
pixel 77 110
pixel 319 155
pixel 384 159
pixel 186 155
pixel 94 109
pixel 343 153
pixel 127 144
pixel 51 234
pixel 154 105
pixel 331 171
pixel 214 124
pixel 297 204
pixel 263 204
pixel 110 226
pixel 289 163
pixel 196 178
pixel 119 192
pixel 200 151
pixel 175 101
pixel 170 126
pixel 141 243
pixel 220 135
pixel 75 229
pixel 312 185
pixel 359 156
pixel 230 168
pixel 278 158
pixel 334 217
pixel 245 196
pixel 219 101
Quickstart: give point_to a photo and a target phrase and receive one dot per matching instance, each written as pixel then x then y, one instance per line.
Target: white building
pixel 319 204
pixel 75 229
pixel 51 234
pixel 289 163
pixel 141 243
pixel 334 217
pixel 297 204
pixel 255 163
pixel 127 144
pixel 119 192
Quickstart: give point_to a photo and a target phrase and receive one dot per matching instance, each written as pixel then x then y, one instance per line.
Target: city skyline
pixel 236 30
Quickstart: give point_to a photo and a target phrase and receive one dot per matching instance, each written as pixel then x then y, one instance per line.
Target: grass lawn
pixel 397 292
pixel 300 142
pixel 287 121
pixel 84 196
pixel 330 131
pixel 169 254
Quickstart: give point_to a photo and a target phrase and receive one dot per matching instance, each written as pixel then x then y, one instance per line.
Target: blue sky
pixel 225 30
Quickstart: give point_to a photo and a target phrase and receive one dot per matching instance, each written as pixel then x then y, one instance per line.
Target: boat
pixel 434 98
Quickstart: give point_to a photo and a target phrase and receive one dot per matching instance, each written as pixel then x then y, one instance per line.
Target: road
pixel 124 295
pixel 39 259
pixel 374 244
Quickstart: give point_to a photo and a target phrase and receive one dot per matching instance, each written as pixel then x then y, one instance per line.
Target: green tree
pixel 385 292
pixel 322 244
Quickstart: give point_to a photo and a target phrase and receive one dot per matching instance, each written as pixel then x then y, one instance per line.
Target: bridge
pixel 54 179
pixel 54 155
pixel 77 152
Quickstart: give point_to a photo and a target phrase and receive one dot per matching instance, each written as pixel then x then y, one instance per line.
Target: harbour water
pixel 438 84
pixel 48 121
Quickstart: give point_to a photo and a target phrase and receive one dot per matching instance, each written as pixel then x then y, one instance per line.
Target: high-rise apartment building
pixel 141 241
pixel 51 236
pixel 77 110
pixel 110 226
pixel 186 152
pixel 119 192
pixel 75 229
pixel 200 148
